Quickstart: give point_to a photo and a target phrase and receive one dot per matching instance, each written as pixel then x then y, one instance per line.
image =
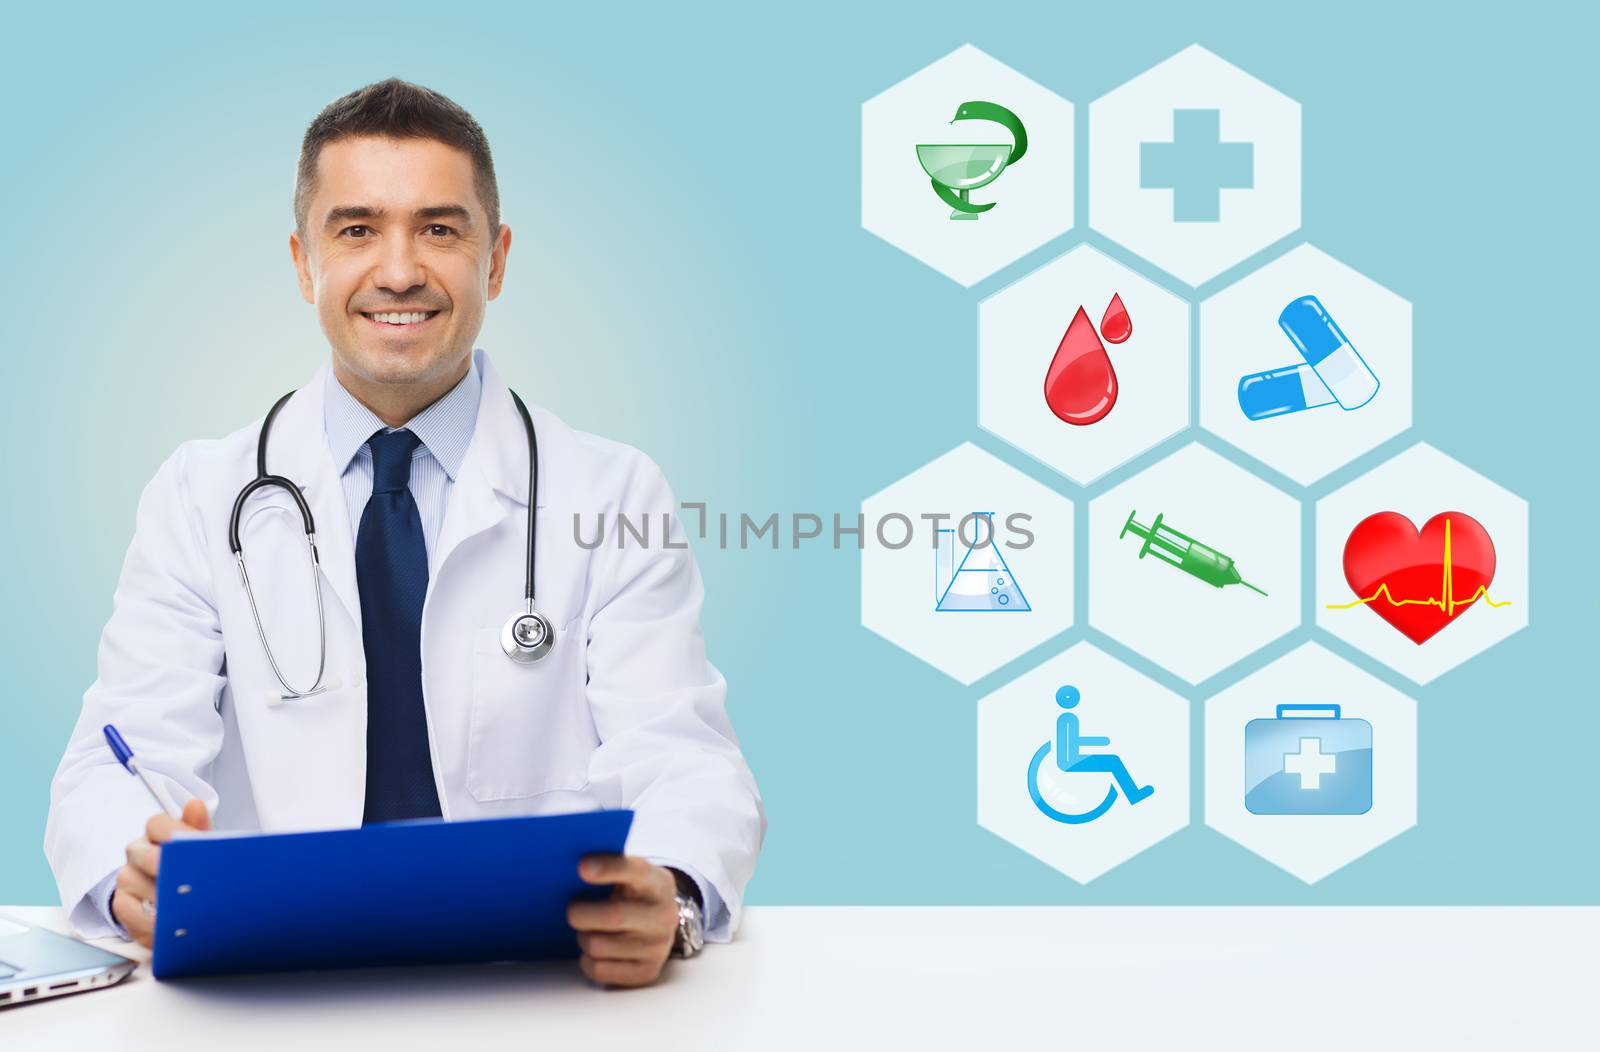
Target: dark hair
pixel 397 109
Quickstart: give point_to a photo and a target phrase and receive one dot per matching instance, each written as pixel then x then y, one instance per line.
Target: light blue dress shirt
pixel 445 428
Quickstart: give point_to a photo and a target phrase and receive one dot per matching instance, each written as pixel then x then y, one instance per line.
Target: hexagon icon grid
pixel 1019 330
pixel 1148 728
pixel 1194 165
pixel 1180 622
pixel 1311 846
pixel 1032 200
pixel 1240 336
pixel 1420 483
pixel 1025 594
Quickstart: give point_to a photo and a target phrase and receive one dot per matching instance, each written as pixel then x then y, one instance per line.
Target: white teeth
pixel 401 319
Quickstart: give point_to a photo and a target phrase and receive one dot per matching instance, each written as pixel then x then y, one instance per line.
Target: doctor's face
pixel 398 260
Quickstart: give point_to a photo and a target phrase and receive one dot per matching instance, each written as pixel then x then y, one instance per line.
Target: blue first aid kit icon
pixel 1308 761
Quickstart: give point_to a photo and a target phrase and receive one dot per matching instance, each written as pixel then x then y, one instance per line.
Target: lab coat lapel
pixel 298 449
pixel 488 485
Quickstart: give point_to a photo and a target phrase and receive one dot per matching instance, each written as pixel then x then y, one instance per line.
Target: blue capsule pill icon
pixel 1332 370
pixel 1322 344
pixel 1279 391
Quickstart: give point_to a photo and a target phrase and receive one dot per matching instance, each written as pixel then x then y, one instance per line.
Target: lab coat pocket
pixel 529 731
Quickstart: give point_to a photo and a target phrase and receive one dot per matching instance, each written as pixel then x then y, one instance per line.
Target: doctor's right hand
pixel 133 900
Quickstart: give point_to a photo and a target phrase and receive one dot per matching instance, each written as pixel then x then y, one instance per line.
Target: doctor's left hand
pixel 625 939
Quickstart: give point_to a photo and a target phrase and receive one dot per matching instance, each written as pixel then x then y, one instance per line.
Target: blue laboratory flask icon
pixel 980 580
pixel 1071 760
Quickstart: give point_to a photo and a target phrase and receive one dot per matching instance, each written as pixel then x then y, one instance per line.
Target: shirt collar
pixel 445 427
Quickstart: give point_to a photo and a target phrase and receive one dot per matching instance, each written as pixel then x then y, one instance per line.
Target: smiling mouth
pixel 399 321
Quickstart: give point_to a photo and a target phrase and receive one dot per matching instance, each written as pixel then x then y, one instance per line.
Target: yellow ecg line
pixel 1447 593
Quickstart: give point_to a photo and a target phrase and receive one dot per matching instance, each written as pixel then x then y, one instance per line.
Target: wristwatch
pixel 691 934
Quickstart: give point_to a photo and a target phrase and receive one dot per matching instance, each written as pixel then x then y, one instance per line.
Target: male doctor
pixel 414 461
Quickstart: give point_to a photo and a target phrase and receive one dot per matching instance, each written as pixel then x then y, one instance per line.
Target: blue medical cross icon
pixel 1196 166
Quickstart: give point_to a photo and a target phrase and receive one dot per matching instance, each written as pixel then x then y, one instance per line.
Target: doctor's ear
pixel 497 260
pixel 302 268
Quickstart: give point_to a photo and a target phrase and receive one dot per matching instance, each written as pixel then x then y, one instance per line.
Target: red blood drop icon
pixel 1081 386
pixel 1116 326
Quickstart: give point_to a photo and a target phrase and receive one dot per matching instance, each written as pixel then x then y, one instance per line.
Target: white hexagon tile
pixel 972 565
pixel 1305 364
pixel 1126 790
pixel 967 165
pixel 1180 556
pixel 1310 762
pixel 1194 165
pixel 1083 364
pixel 1422 563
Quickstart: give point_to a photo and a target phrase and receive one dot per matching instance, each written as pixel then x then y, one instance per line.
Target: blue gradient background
pixel 689 276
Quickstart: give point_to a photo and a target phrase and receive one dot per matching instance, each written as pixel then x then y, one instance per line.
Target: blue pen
pixel 125 758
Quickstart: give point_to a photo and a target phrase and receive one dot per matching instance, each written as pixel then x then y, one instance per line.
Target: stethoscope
pixel 527 636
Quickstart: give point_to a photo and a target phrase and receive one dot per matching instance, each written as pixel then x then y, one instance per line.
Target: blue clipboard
pixel 425 891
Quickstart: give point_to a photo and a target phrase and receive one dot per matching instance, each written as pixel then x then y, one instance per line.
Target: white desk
pixel 891 978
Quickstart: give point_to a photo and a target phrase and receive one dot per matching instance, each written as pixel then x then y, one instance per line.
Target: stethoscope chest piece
pixel 527 637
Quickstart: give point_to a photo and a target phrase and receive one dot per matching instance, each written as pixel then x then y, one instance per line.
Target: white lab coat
pixel 624 712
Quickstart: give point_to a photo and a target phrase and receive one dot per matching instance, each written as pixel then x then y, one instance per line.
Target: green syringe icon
pixel 1186 553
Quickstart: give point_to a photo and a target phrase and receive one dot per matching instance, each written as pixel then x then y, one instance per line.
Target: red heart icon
pixel 1419 581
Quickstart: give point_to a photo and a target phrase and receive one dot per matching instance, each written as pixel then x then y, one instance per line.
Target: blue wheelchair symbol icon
pixel 1070 759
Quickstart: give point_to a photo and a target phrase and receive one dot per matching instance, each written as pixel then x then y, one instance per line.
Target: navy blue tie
pixel 392 572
